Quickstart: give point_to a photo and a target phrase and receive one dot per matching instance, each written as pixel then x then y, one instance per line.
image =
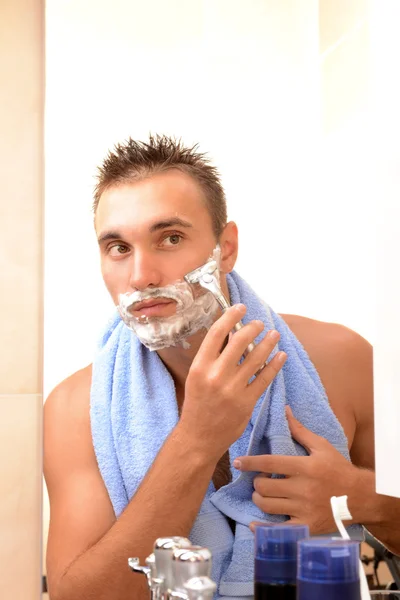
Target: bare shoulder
pixel 343 359
pixel 70 397
pixel 66 415
pixel 78 382
pixel 328 339
pixel 80 508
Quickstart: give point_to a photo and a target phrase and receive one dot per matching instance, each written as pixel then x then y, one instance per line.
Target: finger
pixel 308 439
pixel 273 506
pixel 254 524
pixel 290 521
pixel 267 374
pixel 214 340
pixel 272 487
pixel 272 463
pixel 238 343
pixel 257 358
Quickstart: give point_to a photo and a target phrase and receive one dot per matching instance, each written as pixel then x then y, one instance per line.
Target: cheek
pixel 194 259
pixel 116 279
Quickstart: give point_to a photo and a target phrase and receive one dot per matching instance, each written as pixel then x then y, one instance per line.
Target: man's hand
pixel 219 399
pixel 310 481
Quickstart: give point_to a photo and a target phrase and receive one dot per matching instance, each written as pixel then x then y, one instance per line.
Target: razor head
pixel 208 268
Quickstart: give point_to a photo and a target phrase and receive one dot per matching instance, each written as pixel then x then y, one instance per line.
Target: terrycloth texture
pixel 133 410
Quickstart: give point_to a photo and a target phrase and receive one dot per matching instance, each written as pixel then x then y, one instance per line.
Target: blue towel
pixel 134 409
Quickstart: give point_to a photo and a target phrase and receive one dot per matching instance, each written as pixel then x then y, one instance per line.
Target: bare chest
pixel 222 474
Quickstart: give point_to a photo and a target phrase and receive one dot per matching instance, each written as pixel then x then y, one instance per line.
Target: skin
pixel 140 247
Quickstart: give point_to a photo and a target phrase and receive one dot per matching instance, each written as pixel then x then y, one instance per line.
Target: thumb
pixel 305 437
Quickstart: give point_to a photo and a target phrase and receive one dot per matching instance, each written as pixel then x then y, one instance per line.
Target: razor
pixel 206 277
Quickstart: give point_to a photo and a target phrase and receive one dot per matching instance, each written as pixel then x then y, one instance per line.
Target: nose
pixel 145 272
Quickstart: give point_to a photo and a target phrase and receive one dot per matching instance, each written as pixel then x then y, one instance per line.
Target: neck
pixel 178 360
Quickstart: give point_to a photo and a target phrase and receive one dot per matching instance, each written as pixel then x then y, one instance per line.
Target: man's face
pixel 151 233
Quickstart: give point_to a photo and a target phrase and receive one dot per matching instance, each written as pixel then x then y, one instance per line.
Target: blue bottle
pixel 328 569
pixel 275 566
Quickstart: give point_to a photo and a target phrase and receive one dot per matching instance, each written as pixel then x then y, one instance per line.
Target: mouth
pixel 155 307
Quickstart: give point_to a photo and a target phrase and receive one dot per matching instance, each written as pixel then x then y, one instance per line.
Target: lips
pixel 149 303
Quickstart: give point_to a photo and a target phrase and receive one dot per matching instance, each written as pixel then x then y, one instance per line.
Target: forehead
pixel 166 194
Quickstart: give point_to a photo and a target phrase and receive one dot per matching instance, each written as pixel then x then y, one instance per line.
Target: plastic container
pixel 328 569
pixel 275 561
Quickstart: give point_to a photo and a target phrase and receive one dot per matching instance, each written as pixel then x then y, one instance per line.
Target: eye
pixel 118 250
pixel 174 239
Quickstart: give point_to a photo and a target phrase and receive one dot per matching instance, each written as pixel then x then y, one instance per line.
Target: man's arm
pixel 88 547
pixel 378 513
pixel 309 483
pixel 344 361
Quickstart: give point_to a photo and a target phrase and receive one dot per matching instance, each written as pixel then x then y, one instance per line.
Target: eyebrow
pixel 173 222
pixel 169 223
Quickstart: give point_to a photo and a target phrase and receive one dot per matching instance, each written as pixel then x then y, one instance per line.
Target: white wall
pixel 243 80
pixel 386 135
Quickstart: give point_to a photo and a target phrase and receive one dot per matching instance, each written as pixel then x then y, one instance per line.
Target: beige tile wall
pixel 20 510
pixel 21 283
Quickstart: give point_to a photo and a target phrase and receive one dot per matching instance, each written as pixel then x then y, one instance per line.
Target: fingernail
pixel 273 335
pixel 237 463
pixel 281 357
pixel 240 307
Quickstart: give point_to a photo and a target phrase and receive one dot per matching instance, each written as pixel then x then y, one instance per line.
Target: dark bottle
pixel 328 568
pixel 271 591
pixel 275 564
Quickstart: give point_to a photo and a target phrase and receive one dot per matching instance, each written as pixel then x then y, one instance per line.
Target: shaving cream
pixel 193 312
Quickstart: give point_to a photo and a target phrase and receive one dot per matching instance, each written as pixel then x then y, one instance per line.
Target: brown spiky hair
pixel 134 160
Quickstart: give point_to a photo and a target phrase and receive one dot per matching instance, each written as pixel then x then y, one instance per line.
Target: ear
pixel 229 244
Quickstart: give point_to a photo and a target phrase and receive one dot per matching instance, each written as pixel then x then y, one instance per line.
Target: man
pixel 160 213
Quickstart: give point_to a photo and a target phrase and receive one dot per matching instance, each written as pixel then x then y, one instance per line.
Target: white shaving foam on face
pixel 193 312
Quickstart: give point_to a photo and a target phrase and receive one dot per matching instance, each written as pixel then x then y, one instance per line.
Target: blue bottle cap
pixel 328 560
pixel 276 552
